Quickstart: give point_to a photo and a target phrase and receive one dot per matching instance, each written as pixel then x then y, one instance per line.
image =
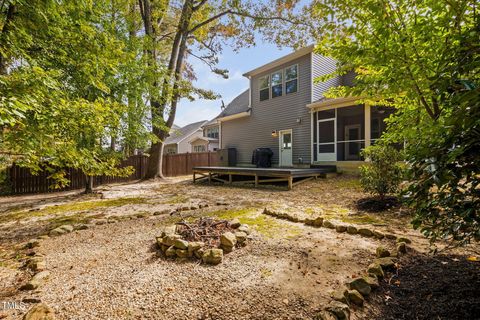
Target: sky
pixel 237 63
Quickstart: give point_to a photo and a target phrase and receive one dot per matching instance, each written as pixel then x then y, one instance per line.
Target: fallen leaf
pixel 472 258
pixel 456 259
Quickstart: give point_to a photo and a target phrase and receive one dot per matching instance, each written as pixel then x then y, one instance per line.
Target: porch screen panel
pixel 350 132
pixel 378 125
pixel 326 135
pixel 314 136
pixel 326 131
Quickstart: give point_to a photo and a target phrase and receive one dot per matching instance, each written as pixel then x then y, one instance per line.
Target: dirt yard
pixel 110 267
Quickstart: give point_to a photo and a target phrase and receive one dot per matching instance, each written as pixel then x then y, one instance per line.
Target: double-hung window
pixel 212 133
pixel 291 79
pixel 264 84
pixel 200 148
pixel 277 84
pixel 281 82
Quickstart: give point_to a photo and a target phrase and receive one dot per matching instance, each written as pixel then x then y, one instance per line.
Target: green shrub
pixel 444 188
pixel 383 173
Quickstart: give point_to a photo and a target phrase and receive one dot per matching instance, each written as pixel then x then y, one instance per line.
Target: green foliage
pixel 384 172
pixel 64 83
pixel 445 187
pixel 421 57
pixel 403 52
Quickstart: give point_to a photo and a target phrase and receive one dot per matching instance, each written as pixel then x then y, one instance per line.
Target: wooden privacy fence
pixel 22 181
pixel 182 164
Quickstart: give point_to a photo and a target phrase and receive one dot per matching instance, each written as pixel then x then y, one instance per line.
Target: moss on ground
pixel 348 183
pixel 70 207
pixel 265 225
pixel 362 219
pixel 78 218
pixel 177 199
pixel 266 273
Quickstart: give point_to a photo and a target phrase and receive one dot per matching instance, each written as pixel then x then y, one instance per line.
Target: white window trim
pixel 285 79
pixel 327 143
pixel 366 133
pixel 282 83
pixel 269 87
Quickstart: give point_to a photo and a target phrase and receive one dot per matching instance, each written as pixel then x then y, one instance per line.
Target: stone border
pixel 173 246
pixel 354 291
pixel 319 222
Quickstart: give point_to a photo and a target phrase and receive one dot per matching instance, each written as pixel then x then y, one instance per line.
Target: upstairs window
pixel 264 84
pixel 212 133
pixel 291 79
pixel 277 84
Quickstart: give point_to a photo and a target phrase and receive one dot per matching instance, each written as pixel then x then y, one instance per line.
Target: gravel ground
pixel 113 271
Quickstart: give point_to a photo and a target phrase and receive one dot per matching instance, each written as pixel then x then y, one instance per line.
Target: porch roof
pixel 207 139
pixel 333 102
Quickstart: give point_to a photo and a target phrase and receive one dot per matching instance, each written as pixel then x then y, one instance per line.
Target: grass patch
pixel 71 207
pixel 78 218
pixel 361 219
pixel 351 183
pixel 266 273
pixel 267 226
pixel 177 199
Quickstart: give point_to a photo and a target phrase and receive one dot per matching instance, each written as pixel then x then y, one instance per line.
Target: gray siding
pixel 321 66
pixel 280 113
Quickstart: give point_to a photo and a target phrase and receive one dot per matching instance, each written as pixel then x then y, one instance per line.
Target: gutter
pixel 235 116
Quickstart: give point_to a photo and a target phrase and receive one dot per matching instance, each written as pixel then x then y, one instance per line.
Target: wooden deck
pixel 257 176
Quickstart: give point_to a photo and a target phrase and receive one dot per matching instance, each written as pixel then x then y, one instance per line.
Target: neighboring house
pixel 209 141
pixel 285 110
pixel 179 139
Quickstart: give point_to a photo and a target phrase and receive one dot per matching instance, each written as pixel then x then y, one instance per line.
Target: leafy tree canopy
pixel 423 58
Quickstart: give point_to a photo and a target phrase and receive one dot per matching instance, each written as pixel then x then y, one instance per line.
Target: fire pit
pixel 206 239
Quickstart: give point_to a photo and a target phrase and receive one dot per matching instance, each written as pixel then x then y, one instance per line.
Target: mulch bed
pixel 440 287
pixel 375 204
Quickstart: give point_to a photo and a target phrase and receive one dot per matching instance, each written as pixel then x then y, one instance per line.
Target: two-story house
pixel 285 110
pixel 179 139
pixel 209 140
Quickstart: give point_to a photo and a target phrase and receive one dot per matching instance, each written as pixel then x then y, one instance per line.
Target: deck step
pixel 327 168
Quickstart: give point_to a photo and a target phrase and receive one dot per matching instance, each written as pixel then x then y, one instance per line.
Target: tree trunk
pixel 3 37
pixel 88 184
pixel 154 168
pixel 113 143
pixel 170 84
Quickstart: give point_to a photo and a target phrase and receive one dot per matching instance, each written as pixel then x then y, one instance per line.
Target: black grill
pixel 262 157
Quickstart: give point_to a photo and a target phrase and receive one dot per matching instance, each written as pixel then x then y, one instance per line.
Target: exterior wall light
pixel 274 133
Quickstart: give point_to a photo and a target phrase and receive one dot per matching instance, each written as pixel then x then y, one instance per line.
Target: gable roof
pixel 178 135
pixel 211 122
pixel 204 139
pixel 239 104
pixel 275 63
